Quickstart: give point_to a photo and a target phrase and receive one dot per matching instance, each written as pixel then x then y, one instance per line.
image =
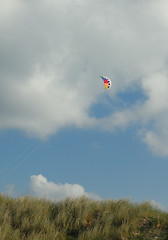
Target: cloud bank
pixel 41 187
pixel 51 53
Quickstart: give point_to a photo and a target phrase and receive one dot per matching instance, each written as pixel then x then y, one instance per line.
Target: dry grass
pixel 82 219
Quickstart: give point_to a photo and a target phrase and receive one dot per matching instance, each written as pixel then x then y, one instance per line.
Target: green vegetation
pixel 82 219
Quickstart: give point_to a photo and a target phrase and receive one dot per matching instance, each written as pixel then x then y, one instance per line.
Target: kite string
pixel 22 160
pixel 16 158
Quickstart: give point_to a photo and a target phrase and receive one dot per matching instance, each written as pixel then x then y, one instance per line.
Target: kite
pixel 107 82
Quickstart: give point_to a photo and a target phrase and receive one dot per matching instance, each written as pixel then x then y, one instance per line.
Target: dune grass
pixel 82 219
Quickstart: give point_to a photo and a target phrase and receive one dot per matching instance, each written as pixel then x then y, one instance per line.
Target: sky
pixel 61 133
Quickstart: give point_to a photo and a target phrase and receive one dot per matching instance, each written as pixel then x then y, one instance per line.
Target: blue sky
pixel 61 133
pixel 111 166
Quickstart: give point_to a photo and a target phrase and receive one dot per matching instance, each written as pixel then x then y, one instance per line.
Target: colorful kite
pixel 107 82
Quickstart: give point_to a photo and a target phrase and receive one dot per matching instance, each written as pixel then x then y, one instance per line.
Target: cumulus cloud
pixel 151 115
pixel 41 187
pixel 157 205
pixel 51 53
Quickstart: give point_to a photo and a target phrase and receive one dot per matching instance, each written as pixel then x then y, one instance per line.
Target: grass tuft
pixel 80 219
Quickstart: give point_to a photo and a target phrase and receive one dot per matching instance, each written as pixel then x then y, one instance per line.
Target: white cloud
pixel 157 141
pixel 52 53
pixel 40 187
pixel 151 115
pixel 9 9
pixel 157 205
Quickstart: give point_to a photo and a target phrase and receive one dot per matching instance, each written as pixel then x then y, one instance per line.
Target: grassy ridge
pixel 82 219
